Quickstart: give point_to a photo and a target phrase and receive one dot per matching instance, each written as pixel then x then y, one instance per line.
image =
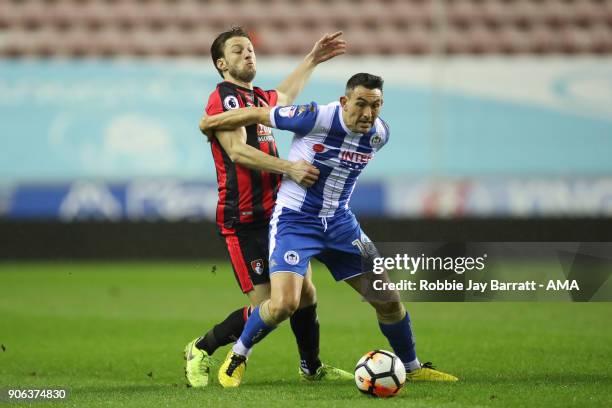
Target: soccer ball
pixel 380 373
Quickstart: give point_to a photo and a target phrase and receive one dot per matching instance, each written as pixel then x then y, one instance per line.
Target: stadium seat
pixel 512 40
pixel 419 41
pixel 281 26
pixel 543 40
pixel 462 13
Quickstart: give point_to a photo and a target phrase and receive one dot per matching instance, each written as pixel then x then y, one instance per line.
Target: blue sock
pixel 255 329
pixel 400 338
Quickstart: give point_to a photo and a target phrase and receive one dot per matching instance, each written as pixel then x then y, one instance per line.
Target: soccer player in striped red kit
pixel 249 172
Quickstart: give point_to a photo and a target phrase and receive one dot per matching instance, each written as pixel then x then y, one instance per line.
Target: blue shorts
pixel 338 242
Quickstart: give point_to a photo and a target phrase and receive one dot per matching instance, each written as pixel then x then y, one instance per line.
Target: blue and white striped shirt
pixel 322 138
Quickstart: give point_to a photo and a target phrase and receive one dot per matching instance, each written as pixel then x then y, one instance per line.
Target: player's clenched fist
pixel 303 173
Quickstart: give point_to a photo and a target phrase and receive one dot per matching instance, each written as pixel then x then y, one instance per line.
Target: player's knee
pixel 258 294
pixel 390 312
pixel 283 308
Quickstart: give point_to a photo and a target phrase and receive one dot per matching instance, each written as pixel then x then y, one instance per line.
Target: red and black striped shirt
pixel 246 197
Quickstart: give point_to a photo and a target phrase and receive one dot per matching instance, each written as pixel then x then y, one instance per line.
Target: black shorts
pixel 248 251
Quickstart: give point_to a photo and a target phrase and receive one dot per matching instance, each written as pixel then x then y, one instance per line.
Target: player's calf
pixel 389 312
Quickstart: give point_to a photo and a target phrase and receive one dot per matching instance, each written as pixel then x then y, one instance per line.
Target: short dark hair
pixel 216 49
pixel 368 81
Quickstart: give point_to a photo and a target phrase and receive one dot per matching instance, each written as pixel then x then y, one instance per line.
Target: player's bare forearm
pixel 293 85
pixel 300 171
pixel 234 119
pixel 239 152
pixel 255 159
pixel 326 48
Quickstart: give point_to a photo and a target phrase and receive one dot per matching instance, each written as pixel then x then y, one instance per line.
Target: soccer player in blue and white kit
pixel 339 139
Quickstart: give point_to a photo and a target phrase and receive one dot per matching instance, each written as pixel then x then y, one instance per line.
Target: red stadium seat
pixel 575 40
pixel 172 27
pixel 412 13
pixel 494 13
pixel 463 13
pixel 481 40
pixel 418 40
pixel 8 14
pixel 586 13
pixel 554 13
pixel 601 39
pixel 543 40
pixel 513 40
pixel 455 40
pixel 525 13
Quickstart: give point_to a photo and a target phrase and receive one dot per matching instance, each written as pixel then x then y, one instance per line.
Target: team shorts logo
pixel 292 257
pixel 366 247
pixel 364 238
pixel 318 148
pixel 375 140
pixel 231 102
pixel 287 111
pixel 257 266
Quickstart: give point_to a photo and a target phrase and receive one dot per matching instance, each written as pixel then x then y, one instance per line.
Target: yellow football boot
pixel 327 373
pixel 427 372
pixel 232 370
pixel 197 365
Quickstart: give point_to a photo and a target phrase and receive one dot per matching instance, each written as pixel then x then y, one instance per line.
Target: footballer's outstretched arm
pixel 239 152
pixel 235 118
pixel 328 47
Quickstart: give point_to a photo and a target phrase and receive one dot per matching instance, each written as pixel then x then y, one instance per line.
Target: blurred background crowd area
pixel 186 27
pixel 500 114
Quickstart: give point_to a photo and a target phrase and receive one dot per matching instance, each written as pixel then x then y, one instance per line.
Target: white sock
pixel 241 349
pixel 413 365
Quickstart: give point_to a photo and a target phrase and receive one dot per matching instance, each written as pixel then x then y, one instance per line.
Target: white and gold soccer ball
pixel 380 373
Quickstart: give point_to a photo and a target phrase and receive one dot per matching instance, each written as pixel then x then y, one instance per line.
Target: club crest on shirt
pixel 375 140
pixel 257 266
pixel 292 257
pixel 231 102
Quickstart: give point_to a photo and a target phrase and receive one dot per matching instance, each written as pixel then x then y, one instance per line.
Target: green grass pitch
pixel 113 334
